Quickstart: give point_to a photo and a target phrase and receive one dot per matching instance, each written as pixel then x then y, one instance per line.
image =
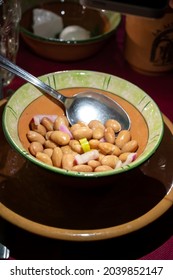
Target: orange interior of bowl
pixel 46 105
pixel 72 14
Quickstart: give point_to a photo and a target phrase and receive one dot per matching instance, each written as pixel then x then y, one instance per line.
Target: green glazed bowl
pixel 147 123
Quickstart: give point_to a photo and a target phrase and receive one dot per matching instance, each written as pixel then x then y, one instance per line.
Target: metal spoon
pixel 84 106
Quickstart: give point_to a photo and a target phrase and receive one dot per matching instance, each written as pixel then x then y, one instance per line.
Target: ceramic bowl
pixel 100 23
pixel 28 101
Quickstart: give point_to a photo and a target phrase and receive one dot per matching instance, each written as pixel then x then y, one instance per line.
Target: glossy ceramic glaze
pixel 57 207
pixel 148 47
pixel 146 119
pixel 101 24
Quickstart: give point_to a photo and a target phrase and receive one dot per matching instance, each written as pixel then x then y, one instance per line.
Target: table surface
pixel 154 241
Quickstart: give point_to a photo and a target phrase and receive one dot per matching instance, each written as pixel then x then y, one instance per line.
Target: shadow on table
pixel 24 245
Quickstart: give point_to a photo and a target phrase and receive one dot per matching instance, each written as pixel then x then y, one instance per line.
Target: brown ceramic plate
pixel 101 24
pixel 37 201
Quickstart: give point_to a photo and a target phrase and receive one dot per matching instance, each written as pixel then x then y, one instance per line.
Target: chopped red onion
pixel 84 158
pixel 118 164
pixel 130 158
pixel 38 118
pixel 65 129
pixel 102 140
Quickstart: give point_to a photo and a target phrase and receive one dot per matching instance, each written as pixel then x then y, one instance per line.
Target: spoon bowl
pixel 84 106
pixel 89 105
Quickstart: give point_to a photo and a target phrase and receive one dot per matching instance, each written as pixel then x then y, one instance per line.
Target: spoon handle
pixel 11 67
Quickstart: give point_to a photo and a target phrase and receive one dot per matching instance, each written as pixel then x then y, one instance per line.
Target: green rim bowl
pixel 101 24
pixel 127 92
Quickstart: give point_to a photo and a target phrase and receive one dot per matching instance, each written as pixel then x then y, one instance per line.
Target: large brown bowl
pixel 45 204
pixel 101 24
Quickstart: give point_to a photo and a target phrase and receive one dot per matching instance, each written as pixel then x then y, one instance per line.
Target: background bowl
pixel 27 101
pixel 101 24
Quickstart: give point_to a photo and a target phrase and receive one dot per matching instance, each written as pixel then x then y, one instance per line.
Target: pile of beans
pixel 58 144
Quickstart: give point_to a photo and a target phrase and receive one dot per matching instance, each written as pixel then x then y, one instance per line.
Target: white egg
pixel 74 32
pixel 46 23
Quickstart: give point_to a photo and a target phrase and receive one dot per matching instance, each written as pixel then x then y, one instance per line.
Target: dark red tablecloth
pixel 164 252
pixel 152 242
